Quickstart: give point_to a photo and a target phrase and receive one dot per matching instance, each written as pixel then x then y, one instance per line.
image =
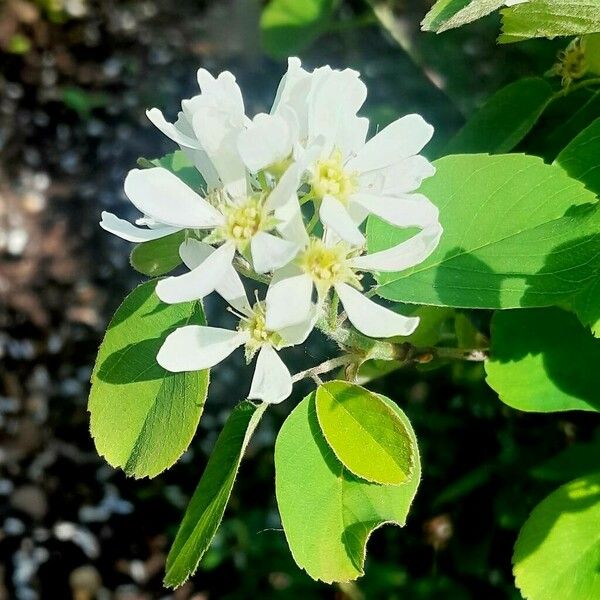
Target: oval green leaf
pixel 142 417
pixel 157 257
pixel 517 233
pixel 365 433
pixel 558 549
pixel 505 118
pixel 544 360
pixel 205 510
pixel 327 513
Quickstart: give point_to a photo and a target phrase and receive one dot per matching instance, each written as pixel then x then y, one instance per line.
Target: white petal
pixel 266 141
pixel 406 175
pixel 196 347
pixel 413 210
pixel 335 97
pixel 162 196
pixel 193 253
pixel 170 130
pixel 131 233
pixel 352 135
pixel 283 200
pixel 370 318
pixel 288 301
pixel 335 217
pixel 218 136
pixel 223 92
pixel 272 381
pixel 297 334
pixel 403 256
pixel 285 190
pixel 270 252
pixel 199 282
pixel 401 139
pixel 292 93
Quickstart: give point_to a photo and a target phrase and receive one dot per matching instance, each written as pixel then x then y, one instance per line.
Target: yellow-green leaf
pixel 365 433
pixel 327 513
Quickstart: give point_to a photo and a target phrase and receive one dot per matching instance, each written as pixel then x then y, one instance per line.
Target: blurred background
pixel 76 77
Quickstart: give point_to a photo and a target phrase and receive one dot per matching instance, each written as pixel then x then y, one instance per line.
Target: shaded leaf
pixel 157 257
pixel 543 361
pixel 505 118
pixel 577 460
pixel 142 417
pixel 314 488
pixel 205 510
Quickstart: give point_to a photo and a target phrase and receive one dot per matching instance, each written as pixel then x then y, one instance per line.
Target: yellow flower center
pixel 327 266
pixel 256 326
pixel 332 179
pixel 242 221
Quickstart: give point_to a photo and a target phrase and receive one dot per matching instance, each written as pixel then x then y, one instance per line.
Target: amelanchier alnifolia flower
pixel 248 224
pixel 196 347
pixel 269 181
pixel 333 265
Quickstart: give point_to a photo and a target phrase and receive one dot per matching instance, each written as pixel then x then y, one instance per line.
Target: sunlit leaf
pixel 365 433
pixel 143 417
pixel 448 14
pixel 544 360
pixel 517 233
pixel 549 18
pixel 558 549
pixel 179 164
pixel 205 510
pixel 327 513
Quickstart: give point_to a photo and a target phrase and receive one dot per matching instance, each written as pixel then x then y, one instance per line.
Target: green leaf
pixel 448 14
pixel 365 433
pixel 157 257
pixel 543 360
pixel 289 26
pixel 549 18
pixel 581 160
pixel 179 164
pixel 505 118
pixel 327 513
pixel 517 233
pixel 577 460
pixel 581 157
pixel 558 549
pixel 205 510
pixel 143 417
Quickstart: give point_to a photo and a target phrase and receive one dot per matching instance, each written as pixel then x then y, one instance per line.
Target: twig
pixel 245 269
pixel 325 367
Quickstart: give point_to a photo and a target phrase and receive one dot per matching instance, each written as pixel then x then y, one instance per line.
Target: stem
pixel 325 367
pixel 313 222
pixel 244 269
pixel 573 88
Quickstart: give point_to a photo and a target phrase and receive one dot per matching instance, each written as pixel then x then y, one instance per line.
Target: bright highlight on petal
pixel 272 381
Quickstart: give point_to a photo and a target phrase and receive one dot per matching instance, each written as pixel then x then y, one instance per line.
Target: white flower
pixel 246 224
pixel 333 264
pixel 297 122
pixel 207 129
pixel 348 177
pixel 196 347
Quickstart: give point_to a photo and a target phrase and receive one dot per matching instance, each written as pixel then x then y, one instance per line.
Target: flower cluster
pixel 286 196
